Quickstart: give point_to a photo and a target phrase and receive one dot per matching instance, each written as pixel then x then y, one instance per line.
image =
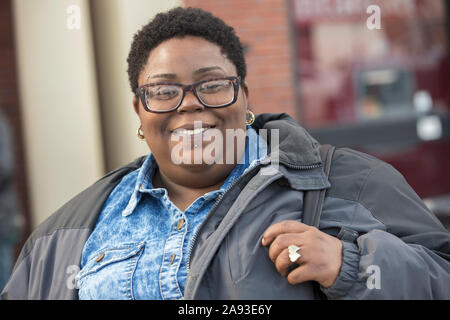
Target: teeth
pixel 190 132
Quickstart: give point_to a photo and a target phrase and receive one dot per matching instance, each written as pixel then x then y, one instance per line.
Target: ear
pixel 245 88
pixel 135 102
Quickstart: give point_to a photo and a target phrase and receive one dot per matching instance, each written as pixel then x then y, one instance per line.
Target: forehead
pixel 183 56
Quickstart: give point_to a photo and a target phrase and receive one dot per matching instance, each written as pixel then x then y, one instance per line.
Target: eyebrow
pixel 173 75
pixel 162 75
pixel 207 69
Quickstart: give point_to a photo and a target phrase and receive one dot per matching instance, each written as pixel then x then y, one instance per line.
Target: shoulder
pixel 353 171
pixel 82 211
pixel 382 190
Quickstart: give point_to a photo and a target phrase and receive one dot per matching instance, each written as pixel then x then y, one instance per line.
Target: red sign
pixel 308 11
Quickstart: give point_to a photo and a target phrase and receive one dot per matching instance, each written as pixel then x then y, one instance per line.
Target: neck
pixel 181 194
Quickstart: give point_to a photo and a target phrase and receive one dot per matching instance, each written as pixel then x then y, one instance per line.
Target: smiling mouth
pixel 182 131
pixel 192 130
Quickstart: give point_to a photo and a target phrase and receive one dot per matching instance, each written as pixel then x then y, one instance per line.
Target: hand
pixel 321 254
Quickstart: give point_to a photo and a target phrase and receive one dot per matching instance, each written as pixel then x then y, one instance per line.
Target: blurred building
pixel 64 86
pixel 382 89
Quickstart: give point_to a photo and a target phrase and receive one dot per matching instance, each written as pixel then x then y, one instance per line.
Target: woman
pixel 177 225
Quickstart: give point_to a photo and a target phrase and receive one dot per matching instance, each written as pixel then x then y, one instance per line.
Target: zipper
pixel 289 165
pixel 212 210
pixel 303 167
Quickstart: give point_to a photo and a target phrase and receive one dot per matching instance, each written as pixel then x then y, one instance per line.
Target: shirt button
pixel 180 224
pixel 171 259
pixel 100 257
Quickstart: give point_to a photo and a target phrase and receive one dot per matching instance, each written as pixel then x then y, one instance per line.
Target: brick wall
pixel 9 104
pixel 263 27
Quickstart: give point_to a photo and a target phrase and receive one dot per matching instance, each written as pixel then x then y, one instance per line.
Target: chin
pixel 202 175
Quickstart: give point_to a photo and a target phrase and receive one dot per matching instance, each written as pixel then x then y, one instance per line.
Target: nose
pixel 190 103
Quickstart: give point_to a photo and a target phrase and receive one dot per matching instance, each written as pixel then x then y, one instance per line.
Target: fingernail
pixel 263 241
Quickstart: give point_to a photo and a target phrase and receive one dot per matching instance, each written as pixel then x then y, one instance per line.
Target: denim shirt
pixel 139 248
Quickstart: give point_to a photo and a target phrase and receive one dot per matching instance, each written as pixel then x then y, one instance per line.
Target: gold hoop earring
pixel 140 133
pixel 250 118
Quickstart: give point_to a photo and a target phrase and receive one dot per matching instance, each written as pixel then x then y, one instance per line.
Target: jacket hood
pixel 296 146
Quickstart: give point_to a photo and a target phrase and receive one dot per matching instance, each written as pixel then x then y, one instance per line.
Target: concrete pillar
pixel 58 95
pixel 115 22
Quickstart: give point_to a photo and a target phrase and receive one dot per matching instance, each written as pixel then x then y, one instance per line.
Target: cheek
pixel 237 118
pixel 154 124
pixel 161 148
pixel 237 113
pixel 154 131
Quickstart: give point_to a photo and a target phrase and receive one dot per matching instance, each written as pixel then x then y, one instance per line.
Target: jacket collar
pixel 297 148
pixel 298 151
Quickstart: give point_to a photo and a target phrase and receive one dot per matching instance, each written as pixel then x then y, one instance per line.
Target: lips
pixel 191 129
pixel 190 132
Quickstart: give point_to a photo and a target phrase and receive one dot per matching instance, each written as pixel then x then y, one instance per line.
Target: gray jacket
pixel 393 246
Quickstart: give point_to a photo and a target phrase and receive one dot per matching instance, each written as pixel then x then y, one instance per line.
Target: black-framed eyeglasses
pixel 212 93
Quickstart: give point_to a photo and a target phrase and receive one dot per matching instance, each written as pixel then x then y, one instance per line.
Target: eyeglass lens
pixel 211 93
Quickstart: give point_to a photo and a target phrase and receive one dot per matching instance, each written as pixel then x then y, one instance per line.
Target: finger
pixel 301 274
pixel 284 264
pixel 287 226
pixel 283 241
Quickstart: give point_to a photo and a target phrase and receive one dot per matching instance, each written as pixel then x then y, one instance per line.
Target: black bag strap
pixel 313 199
pixel 313 202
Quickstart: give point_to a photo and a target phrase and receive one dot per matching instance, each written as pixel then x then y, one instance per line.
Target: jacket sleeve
pixel 409 259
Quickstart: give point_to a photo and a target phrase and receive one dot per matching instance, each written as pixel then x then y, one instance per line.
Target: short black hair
pixel 177 23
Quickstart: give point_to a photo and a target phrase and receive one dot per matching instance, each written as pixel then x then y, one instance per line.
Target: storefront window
pixel 349 72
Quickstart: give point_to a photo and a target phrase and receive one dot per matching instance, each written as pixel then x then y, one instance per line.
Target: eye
pixel 162 92
pixel 214 86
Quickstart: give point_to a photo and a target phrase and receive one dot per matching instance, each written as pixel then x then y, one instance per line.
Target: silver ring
pixel 293 254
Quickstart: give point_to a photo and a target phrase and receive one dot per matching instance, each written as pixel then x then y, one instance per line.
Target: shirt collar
pixel 255 151
pixel 145 176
